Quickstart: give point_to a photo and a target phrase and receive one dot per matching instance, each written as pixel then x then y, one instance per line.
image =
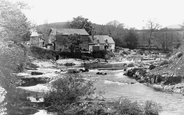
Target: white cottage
pixel 101 42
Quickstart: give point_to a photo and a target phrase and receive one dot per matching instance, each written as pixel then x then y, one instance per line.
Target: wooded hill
pixel 164 38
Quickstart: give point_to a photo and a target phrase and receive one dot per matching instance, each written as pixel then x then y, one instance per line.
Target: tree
pixel 131 39
pixel 13 27
pixel 14 24
pixel 75 43
pixel 13 21
pixel 81 23
pixel 44 30
pixel 152 25
pixel 168 39
pixel 115 23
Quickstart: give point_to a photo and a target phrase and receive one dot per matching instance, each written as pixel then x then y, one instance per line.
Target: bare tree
pixel 152 25
pixel 168 40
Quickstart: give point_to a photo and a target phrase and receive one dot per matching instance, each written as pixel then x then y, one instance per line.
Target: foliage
pixel 126 107
pixel 63 41
pixel 12 56
pixel 14 28
pixel 168 40
pixel 13 21
pixel 81 23
pixel 12 59
pixel 41 53
pixel 131 39
pixel 44 30
pixel 99 54
pixel 117 32
pixel 152 25
pixel 68 90
pixel 115 23
pixel 75 43
pixel 151 108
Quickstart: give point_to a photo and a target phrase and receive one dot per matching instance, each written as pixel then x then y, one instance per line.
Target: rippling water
pixel 117 85
pixel 114 86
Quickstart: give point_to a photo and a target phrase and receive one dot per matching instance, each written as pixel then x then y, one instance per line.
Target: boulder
pixel 69 64
pixel 36 73
pixel 33 81
pixel 157 87
pixel 84 70
pixel 73 71
pixel 101 73
pixel 152 67
pixel 173 80
pixel 130 65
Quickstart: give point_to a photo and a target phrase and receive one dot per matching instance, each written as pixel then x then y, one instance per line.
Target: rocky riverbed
pixel 110 84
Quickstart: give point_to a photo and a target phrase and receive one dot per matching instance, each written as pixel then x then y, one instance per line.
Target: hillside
pixel 177 26
pixel 174 65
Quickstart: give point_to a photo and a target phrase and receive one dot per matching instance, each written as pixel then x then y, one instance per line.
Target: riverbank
pixel 164 83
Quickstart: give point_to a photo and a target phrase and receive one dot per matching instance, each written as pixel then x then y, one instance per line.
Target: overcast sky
pixel 133 13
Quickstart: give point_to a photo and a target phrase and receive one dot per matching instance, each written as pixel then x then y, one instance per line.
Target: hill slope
pixel 174 65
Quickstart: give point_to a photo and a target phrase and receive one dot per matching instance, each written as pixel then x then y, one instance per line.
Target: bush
pixel 67 91
pixel 41 53
pixel 99 54
pixel 13 57
pixel 152 108
pixel 126 107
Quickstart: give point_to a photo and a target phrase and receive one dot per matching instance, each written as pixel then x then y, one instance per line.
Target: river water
pixel 116 86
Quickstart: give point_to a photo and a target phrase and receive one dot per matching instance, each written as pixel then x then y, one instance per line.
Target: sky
pixel 133 13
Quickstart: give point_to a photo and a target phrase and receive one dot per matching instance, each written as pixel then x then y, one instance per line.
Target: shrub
pixel 126 107
pixel 41 53
pixel 152 108
pixel 13 57
pixel 68 90
pixel 99 54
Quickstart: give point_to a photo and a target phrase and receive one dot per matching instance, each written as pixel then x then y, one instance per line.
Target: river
pixel 115 85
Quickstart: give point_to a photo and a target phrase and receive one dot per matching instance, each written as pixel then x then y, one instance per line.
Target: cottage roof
pixel 102 39
pixel 66 31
